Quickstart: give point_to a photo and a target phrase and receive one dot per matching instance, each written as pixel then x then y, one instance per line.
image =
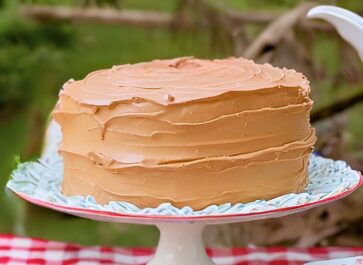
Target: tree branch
pixel 101 15
pixel 276 30
pixel 336 107
pixel 149 18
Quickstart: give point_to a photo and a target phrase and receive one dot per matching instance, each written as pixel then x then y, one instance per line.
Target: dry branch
pixel 251 17
pixel 305 229
pixel 100 15
pixel 336 107
pixel 149 18
pixel 260 17
pixel 275 32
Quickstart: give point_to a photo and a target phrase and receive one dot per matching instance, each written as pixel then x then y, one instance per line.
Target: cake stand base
pixel 181 244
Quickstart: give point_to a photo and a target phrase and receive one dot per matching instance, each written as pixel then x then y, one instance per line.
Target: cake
pixel 186 131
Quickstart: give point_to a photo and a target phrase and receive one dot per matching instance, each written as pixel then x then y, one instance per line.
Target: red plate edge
pixel 69 209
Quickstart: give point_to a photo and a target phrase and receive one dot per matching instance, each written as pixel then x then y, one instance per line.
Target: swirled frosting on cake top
pixel 186 131
pixel 179 80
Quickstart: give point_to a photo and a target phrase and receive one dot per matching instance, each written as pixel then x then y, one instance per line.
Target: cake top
pixel 178 80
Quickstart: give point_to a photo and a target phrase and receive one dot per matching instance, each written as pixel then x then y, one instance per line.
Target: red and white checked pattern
pixel 20 250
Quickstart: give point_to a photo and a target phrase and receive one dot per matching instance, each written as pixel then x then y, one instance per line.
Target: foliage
pixel 38 66
pixel 25 48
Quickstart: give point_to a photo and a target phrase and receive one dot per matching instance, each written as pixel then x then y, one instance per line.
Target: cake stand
pixel 180 234
pixel 181 237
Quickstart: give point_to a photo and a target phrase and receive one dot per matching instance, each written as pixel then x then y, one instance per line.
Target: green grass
pixel 103 46
pixel 62 227
pixel 13 134
pixel 164 5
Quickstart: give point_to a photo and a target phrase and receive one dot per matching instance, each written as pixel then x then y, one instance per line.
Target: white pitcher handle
pixel 348 24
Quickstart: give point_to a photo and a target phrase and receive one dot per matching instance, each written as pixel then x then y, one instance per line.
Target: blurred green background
pixel 36 58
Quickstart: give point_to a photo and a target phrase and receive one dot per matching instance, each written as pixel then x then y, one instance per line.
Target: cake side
pixel 190 143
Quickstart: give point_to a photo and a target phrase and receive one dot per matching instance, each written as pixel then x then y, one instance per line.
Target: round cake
pixel 187 131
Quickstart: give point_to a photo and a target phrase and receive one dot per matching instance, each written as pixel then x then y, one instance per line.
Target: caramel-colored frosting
pixel 186 131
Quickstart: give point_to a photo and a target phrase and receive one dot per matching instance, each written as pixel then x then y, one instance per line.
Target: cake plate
pixel 181 236
pixel 180 229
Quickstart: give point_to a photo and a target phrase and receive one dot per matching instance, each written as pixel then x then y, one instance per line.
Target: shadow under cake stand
pixel 181 234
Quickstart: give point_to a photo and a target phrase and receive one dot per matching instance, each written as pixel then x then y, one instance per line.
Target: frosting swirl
pixel 187 131
pixel 179 80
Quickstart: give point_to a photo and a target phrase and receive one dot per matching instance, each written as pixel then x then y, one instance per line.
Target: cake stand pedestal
pixel 180 244
pixel 181 236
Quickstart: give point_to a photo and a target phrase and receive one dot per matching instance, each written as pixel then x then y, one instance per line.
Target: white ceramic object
pixel 180 244
pixel 348 24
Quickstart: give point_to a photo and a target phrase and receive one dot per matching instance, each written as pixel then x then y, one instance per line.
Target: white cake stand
pixel 181 237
